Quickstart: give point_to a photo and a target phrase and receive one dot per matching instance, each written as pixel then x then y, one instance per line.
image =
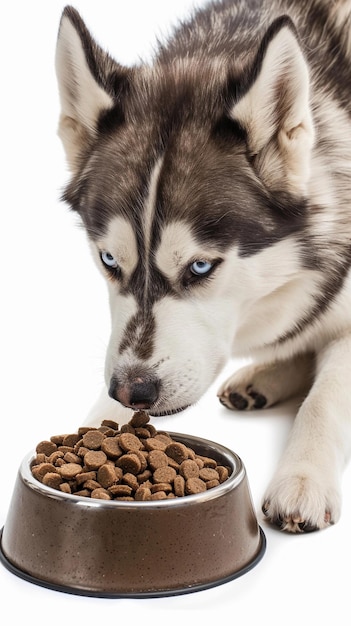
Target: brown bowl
pixel 133 549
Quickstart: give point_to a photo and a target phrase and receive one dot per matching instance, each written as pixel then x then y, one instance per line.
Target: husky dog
pixel 215 189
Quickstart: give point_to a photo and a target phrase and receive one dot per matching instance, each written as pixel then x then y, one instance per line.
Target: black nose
pixel 139 393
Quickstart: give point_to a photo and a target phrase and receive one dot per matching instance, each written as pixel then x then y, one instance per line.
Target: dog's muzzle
pixel 138 393
pixel 141 393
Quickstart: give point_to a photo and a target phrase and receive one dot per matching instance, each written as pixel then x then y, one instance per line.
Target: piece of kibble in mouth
pixel 132 463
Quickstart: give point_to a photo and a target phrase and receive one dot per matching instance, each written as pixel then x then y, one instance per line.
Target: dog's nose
pixel 139 393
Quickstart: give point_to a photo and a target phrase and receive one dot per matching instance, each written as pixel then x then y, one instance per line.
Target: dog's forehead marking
pixel 150 205
pixel 133 252
pixel 121 242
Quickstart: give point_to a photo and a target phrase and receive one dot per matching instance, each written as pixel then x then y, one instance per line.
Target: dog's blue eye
pixel 109 260
pixel 200 268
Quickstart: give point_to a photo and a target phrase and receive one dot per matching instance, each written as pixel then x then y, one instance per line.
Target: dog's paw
pixel 246 389
pixel 243 399
pixel 301 503
pixel 261 385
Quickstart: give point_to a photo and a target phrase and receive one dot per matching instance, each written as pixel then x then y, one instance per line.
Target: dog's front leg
pixel 305 492
pixel 105 408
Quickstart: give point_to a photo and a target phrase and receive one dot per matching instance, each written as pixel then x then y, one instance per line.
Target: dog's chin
pixel 153 413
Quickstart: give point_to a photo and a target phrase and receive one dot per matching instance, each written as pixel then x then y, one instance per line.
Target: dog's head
pixel 184 175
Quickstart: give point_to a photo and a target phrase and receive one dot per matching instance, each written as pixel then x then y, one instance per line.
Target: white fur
pixel 178 248
pixel 121 243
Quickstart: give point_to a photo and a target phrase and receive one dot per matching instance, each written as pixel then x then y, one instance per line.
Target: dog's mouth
pixel 167 412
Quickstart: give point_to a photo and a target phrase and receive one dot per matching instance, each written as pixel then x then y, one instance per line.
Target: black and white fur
pixel 215 189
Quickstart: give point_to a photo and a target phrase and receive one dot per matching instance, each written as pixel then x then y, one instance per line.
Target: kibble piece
pixel 84 429
pixel 91 485
pixel 111 447
pixel 108 432
pixel 129 442
pixel 140 418
pixel 194 485
pixel 119 473
pixel 143 476
pixel 189 469
pixel 207 473
pixel 42 458
pixel 94 459
pixel 142 433
pixel 84 476
pixel 173 463
pixel 164 437
pixel 212 483
pixel 65 449
pixel 152 430
pixel 82 451
pixel 54 456
pixel 70 470
pixel 191 454
pixel 179 486
pixel 177 451
pixel 208 462
pixel 93 439
pixel 110 424
pixel 147 483
pixel 143 493
pixel 101 494
pixel 223 473
pixel 46 447
pixel 157 458
pixel 106 475
pixel 85 493
pixel 143 458
pixel 166 487
pixel 39 471
pixel 52 479
pixel 71 457
pixel 159 495
pixel 120 490
pixel 129 463
pixel 65 488
pixel 199 462
pixel 70 440
pixel 164 475
pixel 125 498
pixel 127 428
pixel 154 444
pixel 131 480
pixel 58 439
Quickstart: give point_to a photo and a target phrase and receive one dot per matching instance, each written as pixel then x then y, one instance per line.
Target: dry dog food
pixel 134 462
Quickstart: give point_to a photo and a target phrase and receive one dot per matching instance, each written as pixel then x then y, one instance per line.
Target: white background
pixel 55 326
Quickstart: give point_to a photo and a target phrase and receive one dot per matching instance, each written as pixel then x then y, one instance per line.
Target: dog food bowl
pixel 135 549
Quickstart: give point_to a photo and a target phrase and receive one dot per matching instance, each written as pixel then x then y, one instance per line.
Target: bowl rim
pixel 232 460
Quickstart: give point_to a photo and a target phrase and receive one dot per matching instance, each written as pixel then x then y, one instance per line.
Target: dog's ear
pixel 275 110
pixel 87 78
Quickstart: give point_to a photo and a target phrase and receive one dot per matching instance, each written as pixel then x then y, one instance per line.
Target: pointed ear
pixel 275 111
pixel 86 77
